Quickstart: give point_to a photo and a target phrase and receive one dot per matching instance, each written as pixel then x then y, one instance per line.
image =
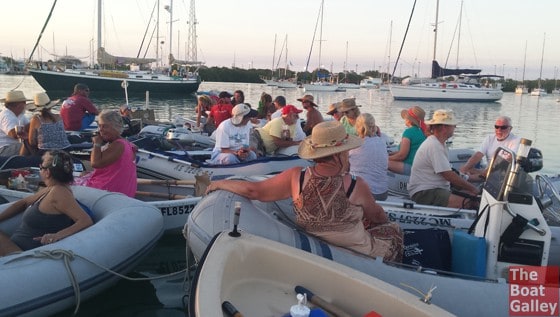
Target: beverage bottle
pixel 285 132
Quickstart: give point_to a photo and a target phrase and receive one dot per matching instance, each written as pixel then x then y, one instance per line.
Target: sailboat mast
pixel 524 62
pixel 170 31
pixel 542 58
pixel 273 58
pixel 286 58
pixel 459 35
pixel 321 32
pixel 99 14
pixel 389 51
pixel 435 29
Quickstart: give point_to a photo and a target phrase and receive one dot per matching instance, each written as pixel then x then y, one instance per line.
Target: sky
pixel 251 33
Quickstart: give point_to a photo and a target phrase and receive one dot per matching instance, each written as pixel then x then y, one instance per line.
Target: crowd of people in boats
pixel 334 199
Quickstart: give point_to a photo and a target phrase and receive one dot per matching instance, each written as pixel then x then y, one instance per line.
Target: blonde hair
pixel 365 125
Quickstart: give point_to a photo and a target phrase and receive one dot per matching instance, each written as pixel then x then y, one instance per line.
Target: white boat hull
pixel 171 166
pixel 320 87
pixel 451 92
pixel 124 232
pixel 258 277
pixel 460 294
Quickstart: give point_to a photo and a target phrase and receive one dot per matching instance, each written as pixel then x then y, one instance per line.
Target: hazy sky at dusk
pixel 493 33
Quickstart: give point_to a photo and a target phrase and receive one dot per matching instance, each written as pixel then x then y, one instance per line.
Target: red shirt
pixel 73 110
pixel 220 112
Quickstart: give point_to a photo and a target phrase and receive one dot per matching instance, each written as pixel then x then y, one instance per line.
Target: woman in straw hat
pixel 350 113
pixel 369 161
pixel 12 119
pixel 432 176
pixel 412 137
pixel 328 201
pixel 46 129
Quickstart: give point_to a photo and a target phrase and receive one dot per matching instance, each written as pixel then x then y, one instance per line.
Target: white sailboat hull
pixel 447 92
pixel 320 87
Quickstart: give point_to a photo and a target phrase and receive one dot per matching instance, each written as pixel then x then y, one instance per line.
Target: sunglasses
pixel 501 127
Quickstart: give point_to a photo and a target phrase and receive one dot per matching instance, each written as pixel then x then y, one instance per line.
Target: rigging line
pixel 41 34
pixel 281 52
pixel 37 42
pixel 313 40
pixel 404 39
pixel 146 31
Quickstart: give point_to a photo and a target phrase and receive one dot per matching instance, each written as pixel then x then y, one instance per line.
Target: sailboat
pixel 184 79
pixel 321 84
pixel 540 91
pixel 467 89
pixel 521 89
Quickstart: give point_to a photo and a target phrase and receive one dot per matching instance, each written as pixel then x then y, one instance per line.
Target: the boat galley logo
pixel 533 291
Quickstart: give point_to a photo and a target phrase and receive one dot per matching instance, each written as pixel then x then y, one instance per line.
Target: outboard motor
pixel 534 161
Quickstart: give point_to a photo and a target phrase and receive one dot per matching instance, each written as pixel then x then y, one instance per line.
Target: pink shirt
pixel 119 176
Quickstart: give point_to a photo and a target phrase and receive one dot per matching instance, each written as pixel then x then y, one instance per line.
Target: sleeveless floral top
pixel 51 136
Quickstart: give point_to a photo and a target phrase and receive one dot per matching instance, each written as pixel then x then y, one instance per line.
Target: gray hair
pixel 113 118
pixel 505 118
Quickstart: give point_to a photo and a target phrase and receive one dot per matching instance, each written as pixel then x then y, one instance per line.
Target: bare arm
pixel 283 143
pixel 403 151
pixel 20 205
pixel 107 157
pixel 362 196
pixel 275 188
pixel 458 181
pixel 64 202
pixel 473 160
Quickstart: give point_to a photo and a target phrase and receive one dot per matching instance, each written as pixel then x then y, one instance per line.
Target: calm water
pixel 533 118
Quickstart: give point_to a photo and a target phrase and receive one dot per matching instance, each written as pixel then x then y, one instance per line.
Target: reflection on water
pixel 534 118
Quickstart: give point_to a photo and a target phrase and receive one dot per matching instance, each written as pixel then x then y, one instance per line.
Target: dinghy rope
pixel 67 256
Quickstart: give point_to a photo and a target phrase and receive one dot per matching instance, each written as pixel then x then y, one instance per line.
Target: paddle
pixel 160 195
pixel 230 310
pixel 170 182
pixel 330 308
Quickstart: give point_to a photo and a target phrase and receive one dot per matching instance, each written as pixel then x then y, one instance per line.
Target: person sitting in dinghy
pixel 112 158
pixel 233 138
pixel 329 202
pixel 370 160
pixel 412 137
pixel 280 135
pixel 502 137
pixel 432 175
pixel 51 214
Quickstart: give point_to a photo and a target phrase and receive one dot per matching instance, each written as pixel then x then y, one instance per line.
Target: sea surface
pixel 534 118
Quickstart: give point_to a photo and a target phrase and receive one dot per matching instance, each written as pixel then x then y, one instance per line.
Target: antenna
pixel 192 49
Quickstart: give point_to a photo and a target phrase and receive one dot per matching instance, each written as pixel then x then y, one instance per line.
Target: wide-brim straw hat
pixel 348 104
pixel 326 139
pixel 308 98
pixel 14 96
pixel 414 114
pixel 333 108
pixel 42 101
pixel 442 116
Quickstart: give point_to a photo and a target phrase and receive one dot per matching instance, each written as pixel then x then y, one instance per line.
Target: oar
pixel 230 310
pixel 330 308
pixel 170 182
pixel 161 195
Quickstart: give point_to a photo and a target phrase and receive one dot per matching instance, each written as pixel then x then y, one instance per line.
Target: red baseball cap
pixel 286 110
